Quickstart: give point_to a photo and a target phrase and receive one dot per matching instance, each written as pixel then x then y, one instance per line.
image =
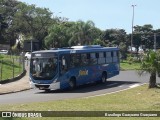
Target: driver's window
pixel 37 67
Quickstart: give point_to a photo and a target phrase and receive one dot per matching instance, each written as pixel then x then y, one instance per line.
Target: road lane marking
pixel 135 85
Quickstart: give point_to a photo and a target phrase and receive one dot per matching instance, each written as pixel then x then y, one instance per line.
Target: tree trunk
pixel 152 81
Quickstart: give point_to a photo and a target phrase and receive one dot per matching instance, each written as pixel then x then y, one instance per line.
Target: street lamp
pixel 132 27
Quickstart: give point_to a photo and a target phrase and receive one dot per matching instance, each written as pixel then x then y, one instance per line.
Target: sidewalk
pixel 19 85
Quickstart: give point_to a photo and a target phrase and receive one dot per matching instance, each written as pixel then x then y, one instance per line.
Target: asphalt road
pixel 125 80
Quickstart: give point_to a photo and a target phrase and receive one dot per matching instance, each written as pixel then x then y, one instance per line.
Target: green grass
pixel 125 65
pixel 140 98
pixel 6 67
pixel 136 99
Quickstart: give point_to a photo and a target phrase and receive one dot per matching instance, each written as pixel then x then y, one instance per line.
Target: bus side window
pixel 97 55
pixel 93 59
pixel 108 57
pixel 115 56
pixel 75 60
pixel 85 59
pixel 101 59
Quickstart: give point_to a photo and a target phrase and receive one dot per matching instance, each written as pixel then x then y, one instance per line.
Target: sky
pixel 106 14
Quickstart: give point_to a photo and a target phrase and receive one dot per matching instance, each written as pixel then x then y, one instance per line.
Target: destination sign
pixel 45 55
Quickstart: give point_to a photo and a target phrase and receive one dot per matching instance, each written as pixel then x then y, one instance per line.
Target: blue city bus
pixel 67 68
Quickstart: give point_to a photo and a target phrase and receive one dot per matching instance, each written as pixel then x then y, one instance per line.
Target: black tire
pixel 72 83
pixel 104 78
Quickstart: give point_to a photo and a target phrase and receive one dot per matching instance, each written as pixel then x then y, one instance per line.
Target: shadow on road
pixel 92 87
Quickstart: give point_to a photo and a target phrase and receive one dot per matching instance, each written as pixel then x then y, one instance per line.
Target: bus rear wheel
pixel 72 83
pixel 104 77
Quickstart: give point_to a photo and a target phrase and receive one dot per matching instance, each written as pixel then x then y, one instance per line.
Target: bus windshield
pixel 43 68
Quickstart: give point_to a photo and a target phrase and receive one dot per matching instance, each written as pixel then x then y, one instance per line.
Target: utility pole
pixel 132 27
pixel 155 40
pixel 31 45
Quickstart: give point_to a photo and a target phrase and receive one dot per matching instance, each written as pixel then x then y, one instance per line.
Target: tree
pixel 114 36
pixel 157 38
pixel 33 21
pixel 151 64
pixel 3 25
pixel 82 33
pixel 57 36
pixel 117 38
pixel 137 41
pixel 143 35
pixel 99 42
pixel 7 9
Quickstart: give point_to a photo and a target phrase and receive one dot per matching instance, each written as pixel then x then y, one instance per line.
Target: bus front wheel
pixel 72 83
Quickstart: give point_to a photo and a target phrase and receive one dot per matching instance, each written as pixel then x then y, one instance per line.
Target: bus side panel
pixel 64 85
pixel 64 81
pixel 88 74
pixel 83 75
pixel 112 70
pixel 65 78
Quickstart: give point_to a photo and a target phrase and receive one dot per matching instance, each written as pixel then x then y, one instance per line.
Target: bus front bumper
pixel 53 86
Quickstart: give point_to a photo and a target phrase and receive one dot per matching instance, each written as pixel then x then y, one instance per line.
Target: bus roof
pixel 79 49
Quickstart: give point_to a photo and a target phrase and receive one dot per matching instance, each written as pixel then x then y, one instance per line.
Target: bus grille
pixel 42 86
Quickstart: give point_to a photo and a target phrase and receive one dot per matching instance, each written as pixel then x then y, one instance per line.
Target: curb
pixel 3 93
